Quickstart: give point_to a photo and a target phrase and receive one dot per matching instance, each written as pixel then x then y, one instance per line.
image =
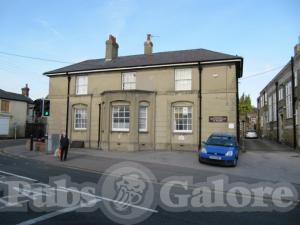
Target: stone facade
pixel 277 97
pixel 213 92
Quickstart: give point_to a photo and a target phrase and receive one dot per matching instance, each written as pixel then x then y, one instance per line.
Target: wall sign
pixel 218 119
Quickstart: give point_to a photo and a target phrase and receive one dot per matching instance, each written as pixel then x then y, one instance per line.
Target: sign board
pixel 231 125
pixel 218 119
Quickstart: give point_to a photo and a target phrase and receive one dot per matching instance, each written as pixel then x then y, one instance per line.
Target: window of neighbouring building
pixel 81 85
pixel 288 99
pixel 262 101
pixel 274 107
pixel 296 78
pixel 280 94
pixel 120 118
pixel 265 98
pixel 4 106
pixel 80 121
pixel 183 79
pixel 143 116
pixel 183 119
pixel 261 121
pixel 270 109
pixel 128 81
pixel 296 112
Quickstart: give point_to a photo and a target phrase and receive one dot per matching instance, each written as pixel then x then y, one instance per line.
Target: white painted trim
pixel 145 67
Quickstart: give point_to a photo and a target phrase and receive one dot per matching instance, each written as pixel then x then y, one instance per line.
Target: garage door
pixel 4 125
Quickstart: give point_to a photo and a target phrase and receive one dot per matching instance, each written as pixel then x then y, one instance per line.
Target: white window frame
pixel 288 100
pixel 128 81
pixel 296 78
pixel 143 119
pixel 296 116
pixel 274 107
pixel 262 101
pixel 261 120
pixel 270 109
pixel 80 121
pixel 185 110
pixel 81 85
pixel 183 79
pixel 280 94
pixel 121 126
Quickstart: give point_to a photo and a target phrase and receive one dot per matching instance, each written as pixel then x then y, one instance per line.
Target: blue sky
pixel 263 32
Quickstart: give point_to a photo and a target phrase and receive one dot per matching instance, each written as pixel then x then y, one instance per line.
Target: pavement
pixel 258 163
pixel 260 159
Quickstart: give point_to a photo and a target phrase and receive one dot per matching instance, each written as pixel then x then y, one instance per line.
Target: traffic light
pixel 38 107
pixel 46 107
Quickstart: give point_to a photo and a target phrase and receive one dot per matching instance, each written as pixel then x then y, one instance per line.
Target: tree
pixel 245 104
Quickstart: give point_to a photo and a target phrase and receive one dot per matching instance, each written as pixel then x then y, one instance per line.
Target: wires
pixel 262 73
pixel 34 58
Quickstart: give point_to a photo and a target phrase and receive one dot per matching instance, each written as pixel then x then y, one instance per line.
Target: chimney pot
pixel 148 45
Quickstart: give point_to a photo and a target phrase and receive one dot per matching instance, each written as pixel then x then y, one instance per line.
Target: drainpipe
pixel 293 103
pixel 68 101
pixel 237 99
pixel 200 103
pixel 277 113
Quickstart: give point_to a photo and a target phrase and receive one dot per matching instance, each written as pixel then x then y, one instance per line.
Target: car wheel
pixel 234 162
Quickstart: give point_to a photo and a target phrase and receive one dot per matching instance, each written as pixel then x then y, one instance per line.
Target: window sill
pixel 80 129
pixel 144 131
pixel 182 132
pixel 120 131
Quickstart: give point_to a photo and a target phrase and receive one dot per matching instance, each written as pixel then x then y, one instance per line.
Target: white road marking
pixel 19 176
pixel 57 213
pixel 111 200
pixel 13 204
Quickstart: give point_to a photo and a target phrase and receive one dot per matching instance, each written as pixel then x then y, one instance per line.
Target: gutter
pixel 200 106
pixel 277 113
pixel 293 104
pixel 68 102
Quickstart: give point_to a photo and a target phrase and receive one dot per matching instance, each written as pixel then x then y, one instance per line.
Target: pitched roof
pixel 155 59
pixel 14 96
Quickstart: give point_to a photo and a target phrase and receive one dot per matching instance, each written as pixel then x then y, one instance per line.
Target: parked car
pixel 251 134
pixel 221 148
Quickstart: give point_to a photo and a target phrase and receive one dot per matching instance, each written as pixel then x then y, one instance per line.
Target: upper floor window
pixel 81 85
pixel 270 109
pixel 288 100
pixel 80 121
pixel 296 79
pixel 183 79
pixel 280 94
pixel 128 81
pixel 143 116
pixel 183 119
pixel 120 118
pixel 4 106
pixel 274 107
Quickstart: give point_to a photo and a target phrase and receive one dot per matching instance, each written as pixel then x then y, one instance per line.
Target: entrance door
pixel 281 128
pixel 4 125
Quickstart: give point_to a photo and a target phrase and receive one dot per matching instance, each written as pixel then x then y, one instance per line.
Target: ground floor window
pixel 80 122
pixel 143 113
pixel 120 118
pixel 183 119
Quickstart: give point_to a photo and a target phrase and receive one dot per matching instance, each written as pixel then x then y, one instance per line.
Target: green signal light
pixel 46 113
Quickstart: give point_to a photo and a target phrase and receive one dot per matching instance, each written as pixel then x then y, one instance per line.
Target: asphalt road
pixel 38 173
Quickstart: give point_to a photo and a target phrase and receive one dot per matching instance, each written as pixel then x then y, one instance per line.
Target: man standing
pixel 64 145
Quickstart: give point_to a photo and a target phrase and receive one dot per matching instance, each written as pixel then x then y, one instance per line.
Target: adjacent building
pixel 152 101
pixel 16 110
pixel 279 106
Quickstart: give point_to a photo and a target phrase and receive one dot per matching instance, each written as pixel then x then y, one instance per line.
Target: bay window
pixel 120 118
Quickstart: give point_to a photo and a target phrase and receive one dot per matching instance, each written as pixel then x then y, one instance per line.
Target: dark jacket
pixel 64 142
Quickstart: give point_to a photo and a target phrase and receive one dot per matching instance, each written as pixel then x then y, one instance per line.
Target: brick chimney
pixel 111 48
pixel 297 47
pixel 25 90
pixel 148 45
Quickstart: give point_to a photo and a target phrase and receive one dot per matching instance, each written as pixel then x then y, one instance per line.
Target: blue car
pixel 220 148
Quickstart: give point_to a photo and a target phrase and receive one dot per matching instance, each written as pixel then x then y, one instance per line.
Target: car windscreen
pixel 221 141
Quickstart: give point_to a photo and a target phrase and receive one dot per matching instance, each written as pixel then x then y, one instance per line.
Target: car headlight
pixel 229 153
pixel 203 150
